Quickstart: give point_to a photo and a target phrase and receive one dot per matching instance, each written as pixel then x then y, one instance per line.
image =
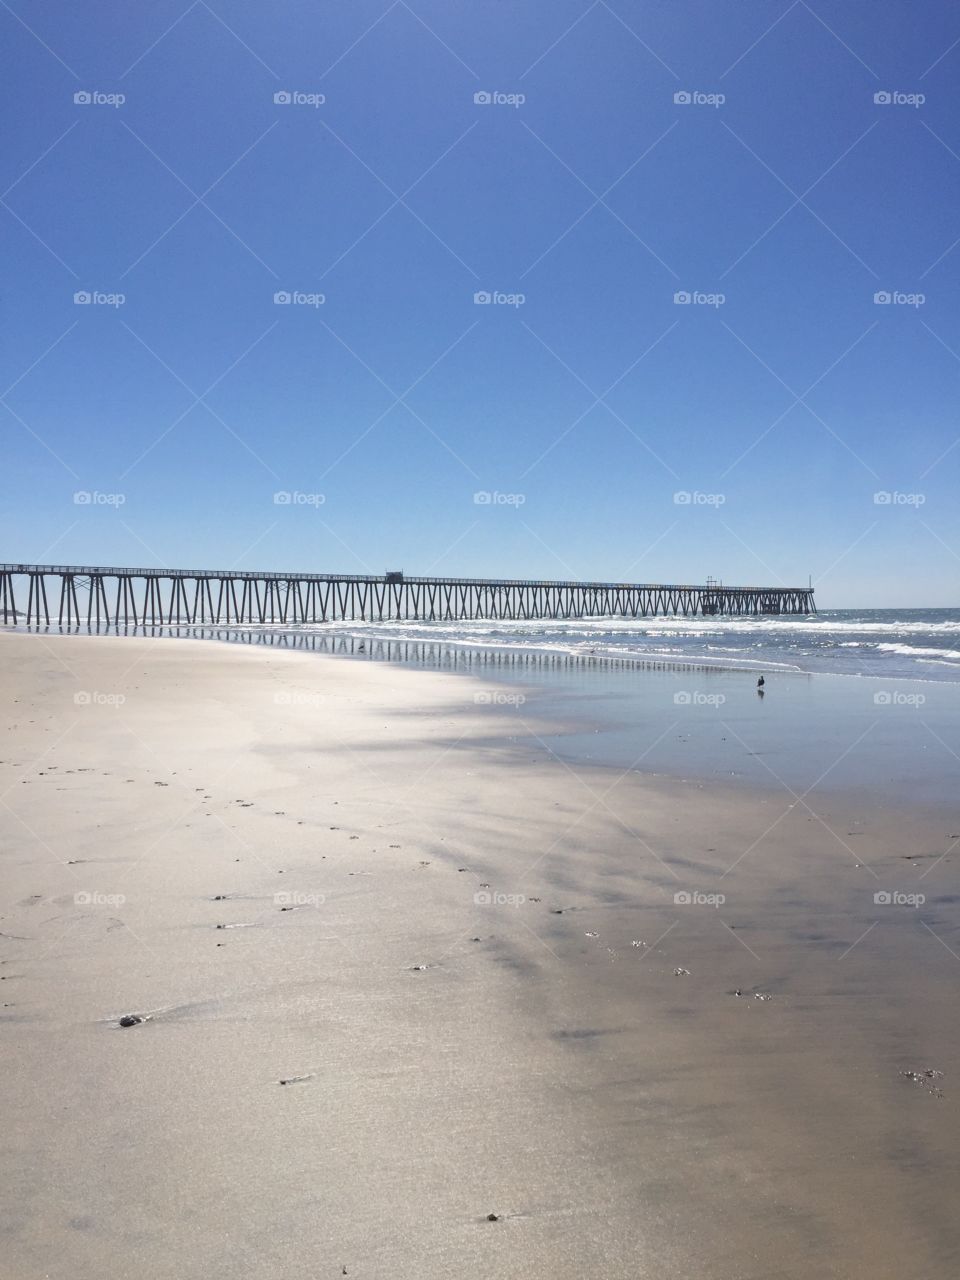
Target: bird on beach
pixel 761 682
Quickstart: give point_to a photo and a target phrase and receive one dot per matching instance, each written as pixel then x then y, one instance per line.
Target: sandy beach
pixel 418 999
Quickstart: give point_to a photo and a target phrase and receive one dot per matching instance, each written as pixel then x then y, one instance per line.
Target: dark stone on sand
pixel 493 1217
pixel 130 1020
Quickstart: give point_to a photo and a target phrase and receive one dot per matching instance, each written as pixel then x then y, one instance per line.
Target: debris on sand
pixel 493 1217
pixel 418 968
pixel 681 973
pixel 927 1078
pixel 591 935
pixel 638 942
pixel 130 1020
pixel 761 995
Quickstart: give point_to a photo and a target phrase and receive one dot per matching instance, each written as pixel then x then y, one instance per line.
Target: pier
pixel 74 595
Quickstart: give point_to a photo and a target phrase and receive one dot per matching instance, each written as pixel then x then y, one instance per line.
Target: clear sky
pixel 582 193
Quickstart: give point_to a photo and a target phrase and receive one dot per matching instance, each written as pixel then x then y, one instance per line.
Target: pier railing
pixel 124 596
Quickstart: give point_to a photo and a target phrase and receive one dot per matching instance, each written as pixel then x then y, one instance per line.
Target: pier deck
pixel 73 594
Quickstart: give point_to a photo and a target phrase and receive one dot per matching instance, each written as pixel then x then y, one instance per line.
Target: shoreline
pixel 571 697
pixel 349 631
pixel 619 1118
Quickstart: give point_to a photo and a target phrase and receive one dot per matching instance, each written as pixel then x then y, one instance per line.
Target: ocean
pixel 916 644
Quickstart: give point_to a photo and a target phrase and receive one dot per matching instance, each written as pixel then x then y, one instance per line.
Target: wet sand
pixel 482 993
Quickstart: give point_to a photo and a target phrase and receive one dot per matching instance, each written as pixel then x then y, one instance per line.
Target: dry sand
pixel 447 1057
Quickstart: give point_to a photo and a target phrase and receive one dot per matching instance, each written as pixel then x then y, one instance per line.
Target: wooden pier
pixel 74 595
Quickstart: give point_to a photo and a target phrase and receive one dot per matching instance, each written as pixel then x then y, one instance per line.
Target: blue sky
pixel 584 196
